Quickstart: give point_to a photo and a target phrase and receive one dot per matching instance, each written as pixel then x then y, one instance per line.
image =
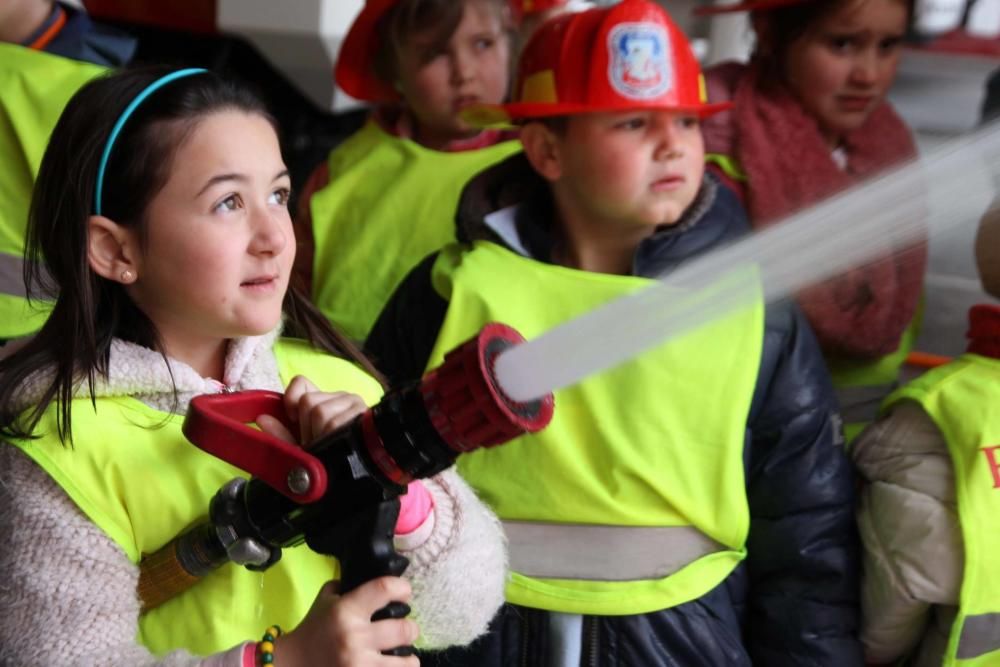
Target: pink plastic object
pixel 414 507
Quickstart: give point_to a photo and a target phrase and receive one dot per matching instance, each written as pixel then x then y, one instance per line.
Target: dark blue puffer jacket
pixel 85 40
pixel 794 599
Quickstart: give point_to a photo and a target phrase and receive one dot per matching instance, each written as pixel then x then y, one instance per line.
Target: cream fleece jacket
pixel 68 594
pixel 913 551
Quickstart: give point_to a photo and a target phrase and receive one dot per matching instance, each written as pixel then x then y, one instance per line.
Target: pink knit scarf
pixel 862 314
pixel 788 161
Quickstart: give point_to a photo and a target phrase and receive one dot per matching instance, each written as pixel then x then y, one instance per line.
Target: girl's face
pixel 219 236
pixel 438 81
pixel 842 67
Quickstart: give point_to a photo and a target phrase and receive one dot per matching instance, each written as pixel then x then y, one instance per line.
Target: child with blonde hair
pixel 383 199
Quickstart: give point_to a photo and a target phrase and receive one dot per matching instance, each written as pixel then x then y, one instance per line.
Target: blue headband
pixel 129 110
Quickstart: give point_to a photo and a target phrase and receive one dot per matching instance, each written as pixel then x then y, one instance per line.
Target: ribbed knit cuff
pixel 427 543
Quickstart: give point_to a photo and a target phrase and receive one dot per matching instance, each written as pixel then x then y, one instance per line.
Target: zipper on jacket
pixel 525 641
pixel 589 654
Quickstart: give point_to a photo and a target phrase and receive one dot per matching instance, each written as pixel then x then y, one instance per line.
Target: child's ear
pixel 988 250
pixel 542 148
pixel 112 250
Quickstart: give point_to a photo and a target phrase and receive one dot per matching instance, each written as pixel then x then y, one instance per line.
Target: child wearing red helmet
pixel 690 507
pixel 382 200
pixel 810 118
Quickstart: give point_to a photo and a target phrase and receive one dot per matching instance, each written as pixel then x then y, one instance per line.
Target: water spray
pixel 948 187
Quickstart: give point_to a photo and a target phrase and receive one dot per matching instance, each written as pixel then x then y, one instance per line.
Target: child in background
pixel 810 118
pixel 63 30
pixel 384 199
pixel 929 506
pixel 161 216
pixel 688 507
pixel 47 51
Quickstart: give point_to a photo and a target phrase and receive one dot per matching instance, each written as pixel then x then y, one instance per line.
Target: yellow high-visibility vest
pixel 133 473
pixel 35 88
pixel 633 499
pixel 963 399
pixel 389 204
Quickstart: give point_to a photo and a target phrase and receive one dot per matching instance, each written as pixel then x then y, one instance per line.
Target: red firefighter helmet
pixel 355 71
pixel 522 8
pixel 746 6
pixel 625 57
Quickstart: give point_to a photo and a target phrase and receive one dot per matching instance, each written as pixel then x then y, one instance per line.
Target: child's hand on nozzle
pixel 316 412
pixel 338 630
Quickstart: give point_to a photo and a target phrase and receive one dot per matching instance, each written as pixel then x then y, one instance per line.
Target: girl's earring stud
pixel 127 276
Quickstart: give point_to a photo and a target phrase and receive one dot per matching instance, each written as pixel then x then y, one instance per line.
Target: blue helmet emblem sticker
pixel 639 64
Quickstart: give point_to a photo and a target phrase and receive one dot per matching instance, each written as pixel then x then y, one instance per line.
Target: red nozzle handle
pixel 217 424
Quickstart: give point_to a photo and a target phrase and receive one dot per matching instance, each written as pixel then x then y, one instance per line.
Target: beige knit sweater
pixel 68 592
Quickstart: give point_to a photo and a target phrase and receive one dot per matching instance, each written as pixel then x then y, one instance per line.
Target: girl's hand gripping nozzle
pixel 341 494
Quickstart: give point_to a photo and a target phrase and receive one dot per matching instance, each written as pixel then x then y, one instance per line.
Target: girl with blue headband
pixel 160 217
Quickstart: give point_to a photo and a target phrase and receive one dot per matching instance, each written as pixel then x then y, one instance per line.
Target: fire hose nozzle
pixel 466 404
pixel 339 496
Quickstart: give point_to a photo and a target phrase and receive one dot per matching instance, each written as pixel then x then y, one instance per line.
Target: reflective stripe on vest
pixel 655 444
pixel 36 87
pixel 980 635
pixel 137 478
pixel 390 203
pixel 24 317
pixel 604 553
pixel 12 275
pixel 963 399
pixel 852 379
